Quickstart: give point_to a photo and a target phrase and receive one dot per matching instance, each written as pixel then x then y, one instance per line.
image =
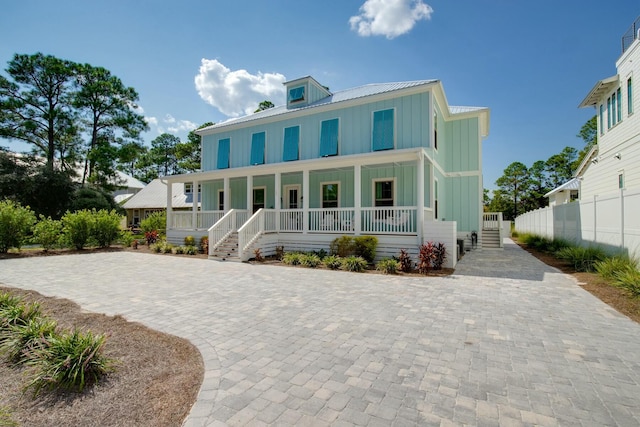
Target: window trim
pixel 337 150
pixel 322 184
pixel 285 191
pixel 394 197
pixel 253 197
pixel 188 188
pixel 300 98
pixel 393 124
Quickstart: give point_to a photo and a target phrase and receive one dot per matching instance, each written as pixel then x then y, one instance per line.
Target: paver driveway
pixel 505 341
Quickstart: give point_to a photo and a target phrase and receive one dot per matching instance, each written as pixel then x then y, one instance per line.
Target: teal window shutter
pixel 224 146
pixel 383 130
pixel 329 138
pixel 257 148
pixel 291 139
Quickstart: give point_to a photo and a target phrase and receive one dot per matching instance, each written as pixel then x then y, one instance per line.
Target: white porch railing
pixel 224 227
pixel 291 220
pixel 207 218
pixel 263 221
pixel 183 220
pixel 391 220
pixel 332 220
pixel 492 220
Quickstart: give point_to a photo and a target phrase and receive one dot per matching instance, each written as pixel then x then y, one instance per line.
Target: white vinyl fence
pixel 611 221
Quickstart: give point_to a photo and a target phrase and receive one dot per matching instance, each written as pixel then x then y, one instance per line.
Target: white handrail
pixel 221 230
pixel 389 220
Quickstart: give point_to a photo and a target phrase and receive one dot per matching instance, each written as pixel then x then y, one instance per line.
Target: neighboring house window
pixel 601 119
pixel 383 130
pixel 257 148
pixel 220 200
pixel 188 188
pixel 329 138
pixel 296 94
pixel 259 195
pixel 224 145
pixel 330 195
pixel 383 192
pixel 608 113
pixel 629 96
pixel 621 180
pixel 619 93
pixel 435 128
pixel 291 142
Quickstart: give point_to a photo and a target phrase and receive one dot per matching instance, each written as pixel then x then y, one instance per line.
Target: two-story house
pixel 612 165
pixel 392 160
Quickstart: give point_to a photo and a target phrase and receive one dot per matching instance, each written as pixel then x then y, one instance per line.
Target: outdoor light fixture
pixel 617 156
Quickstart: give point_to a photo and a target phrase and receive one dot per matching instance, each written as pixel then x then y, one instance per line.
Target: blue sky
pixel 191 62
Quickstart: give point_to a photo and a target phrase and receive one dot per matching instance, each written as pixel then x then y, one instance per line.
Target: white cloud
pixel 152 121
pixel 170 124
pixel 237 92
pixel 390 18
pixel 169 119
pixel 182 126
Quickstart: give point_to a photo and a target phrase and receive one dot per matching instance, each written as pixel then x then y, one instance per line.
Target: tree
pixel 498 203
pixel 589 134
pixel 513 184
pixel 560 166
pixel 36 106
pixel 162 155
pixel 264 105
pixel 108 109
pixel 534 199
pixel 188 153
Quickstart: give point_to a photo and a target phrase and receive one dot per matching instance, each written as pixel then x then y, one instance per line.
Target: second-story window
pixel 291 142
pixel 383 130
pixel 257 148
pixel 435 128
pixel 619 94
pixel 608 113
pixel 296 94
pixel 329 138
pixel 614 113
pixel 601 119
pixel 224 146
pixel 629 96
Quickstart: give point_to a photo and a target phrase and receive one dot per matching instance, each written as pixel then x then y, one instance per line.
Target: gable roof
pixel 154 196
pixel 572 184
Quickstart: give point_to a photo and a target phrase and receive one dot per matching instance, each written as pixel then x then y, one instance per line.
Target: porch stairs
pixel 227 250
pixel 491 239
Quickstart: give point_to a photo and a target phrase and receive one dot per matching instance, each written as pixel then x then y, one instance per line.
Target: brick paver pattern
pixel 505 341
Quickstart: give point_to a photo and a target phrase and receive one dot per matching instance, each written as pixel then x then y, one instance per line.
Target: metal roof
pixel 572 184
pixel 340 96
pixel 154 196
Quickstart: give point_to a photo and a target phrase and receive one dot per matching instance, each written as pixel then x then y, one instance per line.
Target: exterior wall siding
pixel 462 201
pixel 462 145
pixel 406 186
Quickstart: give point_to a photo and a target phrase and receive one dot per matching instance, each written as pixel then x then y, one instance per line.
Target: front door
pixel 258 198
pixel 292 197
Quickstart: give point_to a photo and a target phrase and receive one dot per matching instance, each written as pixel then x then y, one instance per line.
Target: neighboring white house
pixel 153 198
pixel 613 164
pixel 565 193
pixel 128 186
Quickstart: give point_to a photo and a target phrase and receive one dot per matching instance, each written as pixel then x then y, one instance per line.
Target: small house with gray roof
pixel 392 160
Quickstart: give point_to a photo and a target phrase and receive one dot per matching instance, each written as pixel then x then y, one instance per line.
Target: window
pixel 621 180
pixel 435 199
pixel 258 198
pixel 383 192
pixel 220 200
pixel 601 119
pixel 629 96
pixel 383 130
pixel 608 113
pixel 330 193
pixel 614 114
pixel 224 146
pixel 188 188
pixel 296 94
pixel 435 128
pixel 291 141
pixel 257 148
pixel 292 196
pixel 329 138
pixel 619 105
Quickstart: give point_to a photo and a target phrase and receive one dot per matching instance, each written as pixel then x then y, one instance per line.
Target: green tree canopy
pixel 514 185
pixel 188 153
pixel 264 105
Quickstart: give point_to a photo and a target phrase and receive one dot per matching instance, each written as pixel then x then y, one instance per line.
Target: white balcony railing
pixel 391 220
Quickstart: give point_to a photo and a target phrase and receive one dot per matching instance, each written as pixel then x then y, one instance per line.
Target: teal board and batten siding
pixel 462 202
pixel 345 188
pixel 406 185
pixel 460 148
pixel 412 130
pixel 238 192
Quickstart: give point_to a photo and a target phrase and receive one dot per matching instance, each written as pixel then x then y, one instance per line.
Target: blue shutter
pixel 329 138
pixel 257 148
pixel 291 138
pixel 223 153
pixel 383 130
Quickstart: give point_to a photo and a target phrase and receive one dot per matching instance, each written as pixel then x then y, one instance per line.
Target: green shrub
pixel 342 246
pixel 191 250
pixel 126 239
pixel 47 233
pixel 179 250
pixel 167 248
pixel 69 362
pixel 388 266
pixel 609 267
pixel 406 264
pixel 292 258
pixel 18 341
pixel 7 301
pixel 105 227
pixel 354 263
pixel 310 260
pixel 365 247
pixel 558 244
pixel 15 224
pixel 18 314
pixel 76 228
pixel 582 258
pixel 629 279
pixel 156 247
pixel 157 221
pixel 189 241
pixel 333 262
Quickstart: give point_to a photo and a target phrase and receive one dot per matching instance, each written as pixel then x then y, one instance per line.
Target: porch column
pixel 420 213
pixel 357 199
pixel 250 195
pixel 226 195
pixel 305 201
pixel 169 206
pixel 194 210
pixel 278 198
